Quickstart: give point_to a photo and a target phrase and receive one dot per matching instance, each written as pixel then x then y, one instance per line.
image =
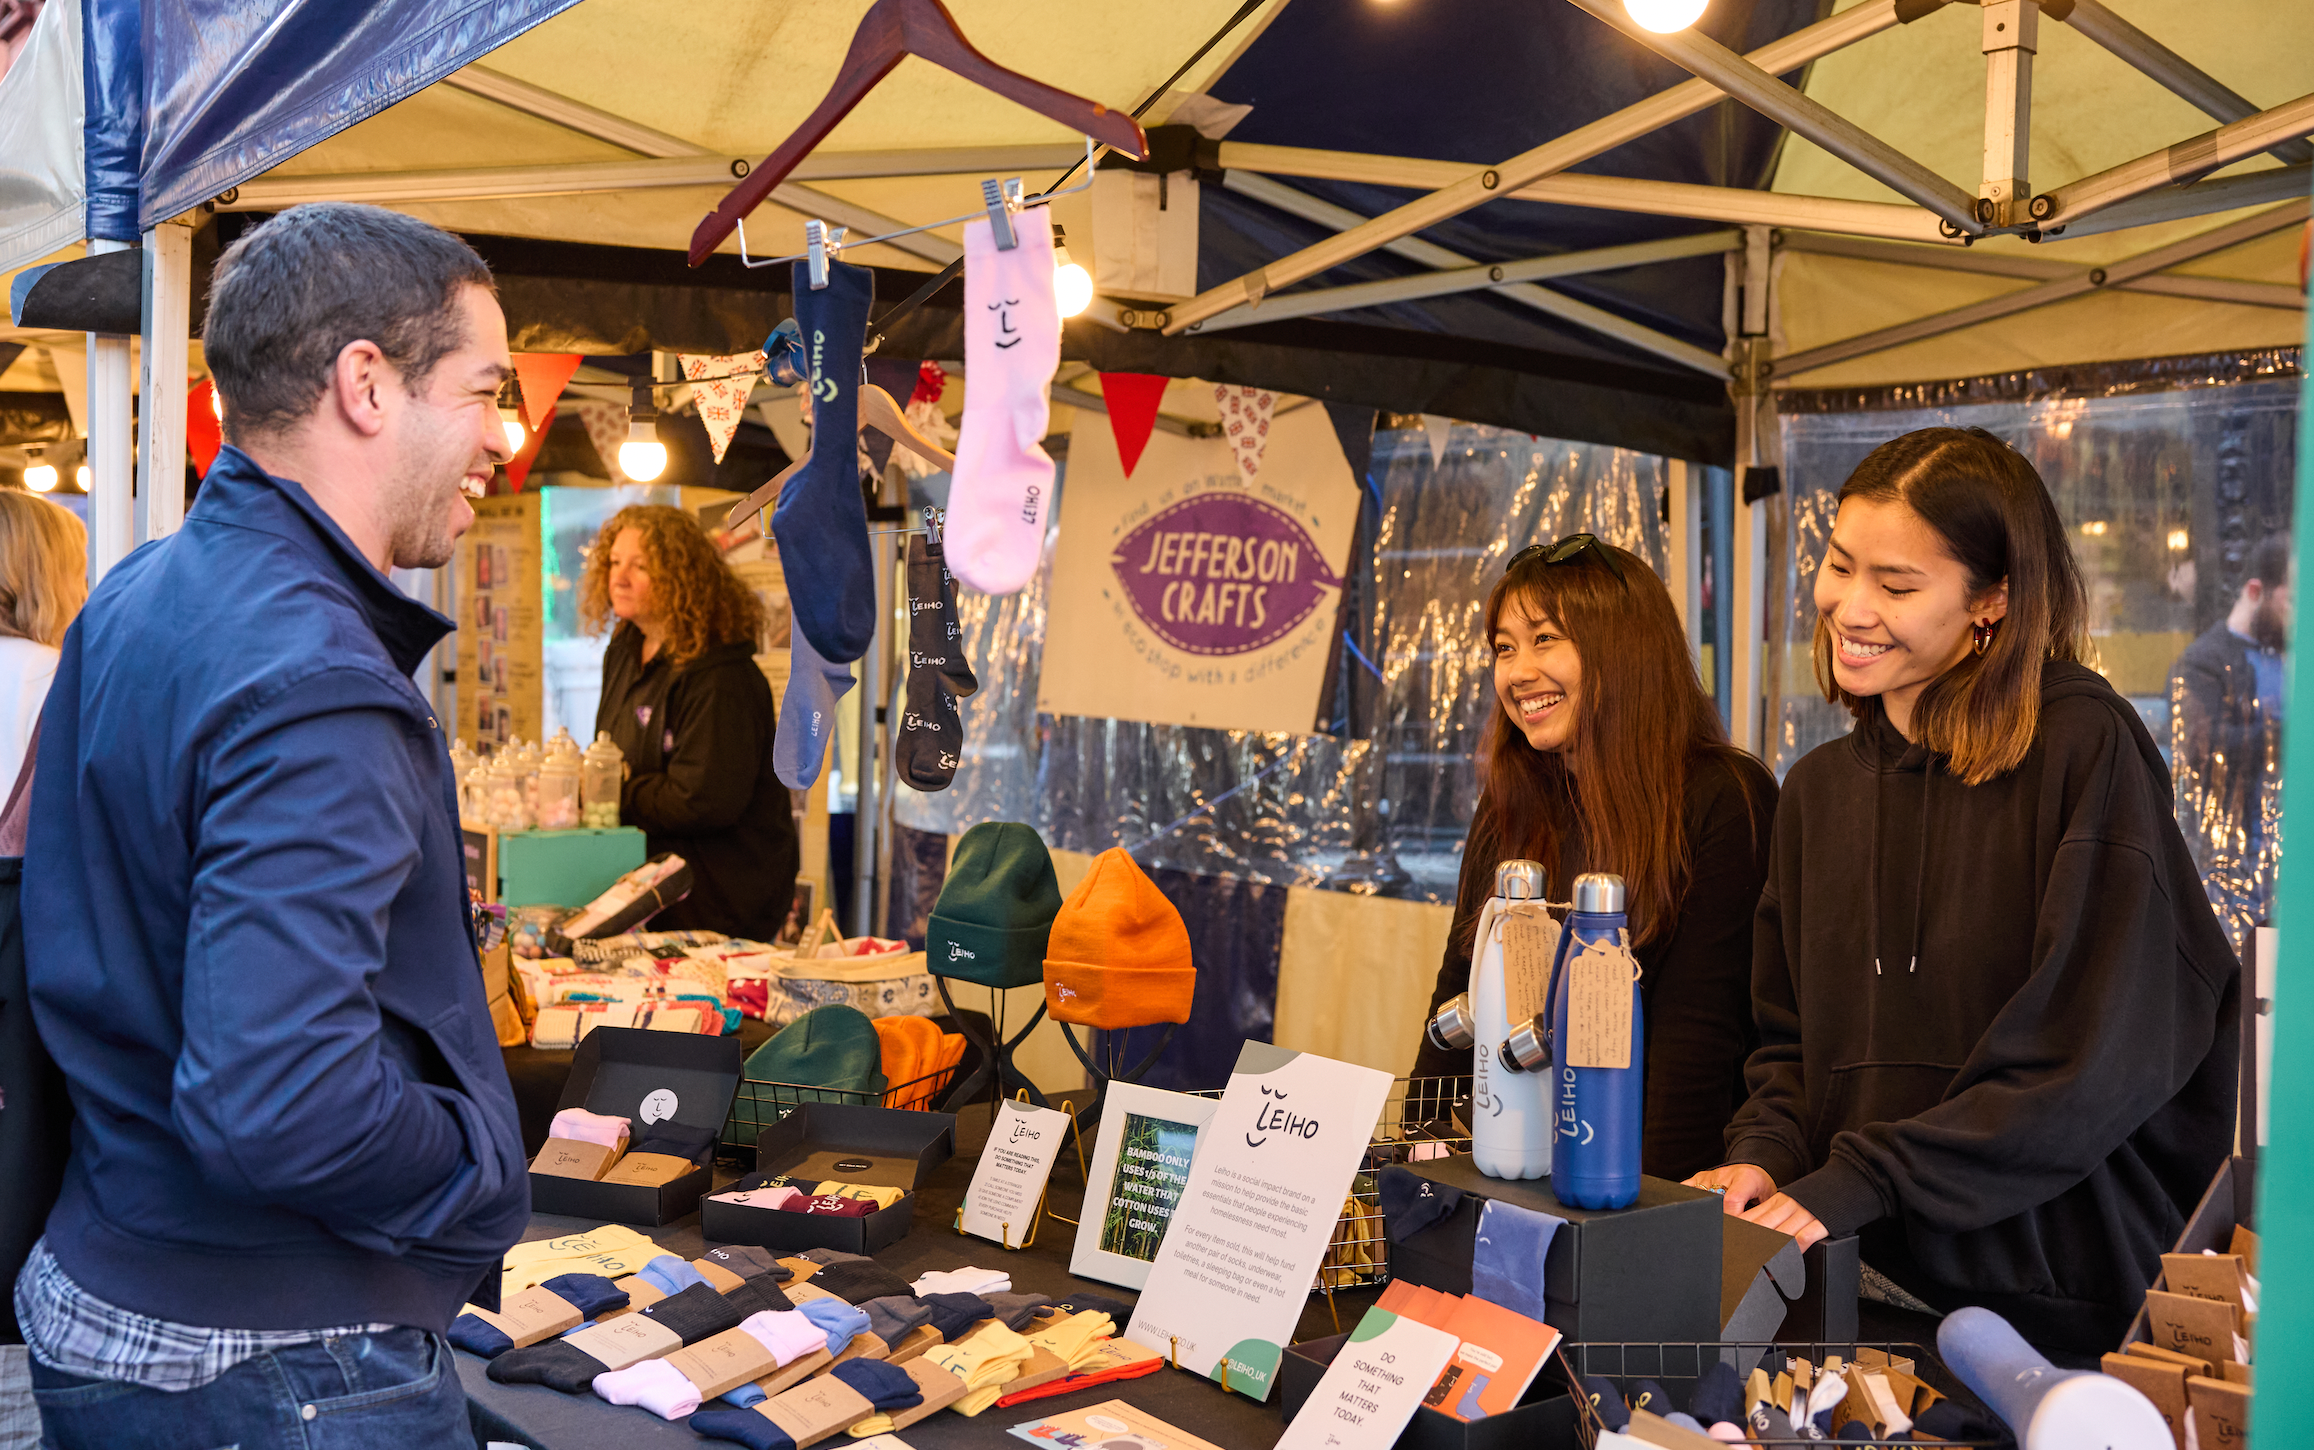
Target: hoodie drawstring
pixel 1920 868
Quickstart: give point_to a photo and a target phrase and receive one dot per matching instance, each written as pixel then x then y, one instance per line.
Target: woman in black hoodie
pixel 1995 1010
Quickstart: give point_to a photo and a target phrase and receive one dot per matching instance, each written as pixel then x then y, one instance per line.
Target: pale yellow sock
pixel 569 1246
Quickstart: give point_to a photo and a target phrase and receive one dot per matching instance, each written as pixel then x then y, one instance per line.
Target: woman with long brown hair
pixel 1603 753
pixel 683 698
pixel 1996 1011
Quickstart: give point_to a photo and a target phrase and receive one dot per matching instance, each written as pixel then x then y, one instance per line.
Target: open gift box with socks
pixel 840 1143
pixel 673 1090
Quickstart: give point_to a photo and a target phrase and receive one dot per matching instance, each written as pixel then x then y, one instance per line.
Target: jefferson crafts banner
pixel 1190 595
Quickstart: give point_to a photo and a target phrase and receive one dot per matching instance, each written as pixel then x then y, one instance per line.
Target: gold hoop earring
pixel 1982 635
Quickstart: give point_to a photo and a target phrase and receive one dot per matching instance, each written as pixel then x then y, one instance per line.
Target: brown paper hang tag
pixel 816 1409
pixel 1530 938
pixel 2162 1383
pixel 1600 982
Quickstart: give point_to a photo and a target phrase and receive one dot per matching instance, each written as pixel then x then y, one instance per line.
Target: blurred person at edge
pixel 1604 753
pixel 2226 703
pixel 248 939
pixel 43 583
pixel 685 703
pixel 1997 1017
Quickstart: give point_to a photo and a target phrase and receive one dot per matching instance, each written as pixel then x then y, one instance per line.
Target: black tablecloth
pixel 544 1419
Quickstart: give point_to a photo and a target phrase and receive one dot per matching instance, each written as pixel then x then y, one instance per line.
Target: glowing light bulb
pixel 2179 541
pixel 642 457
pixel 1072 284
pixel 216 402
pixel 40 477
pixel 80 477
pixel 511 421
pixel 1665 16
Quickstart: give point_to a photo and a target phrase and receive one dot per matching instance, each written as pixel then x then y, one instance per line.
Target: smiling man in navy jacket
pixel 246 927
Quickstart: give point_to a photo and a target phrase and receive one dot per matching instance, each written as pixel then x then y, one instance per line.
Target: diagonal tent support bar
pixel 2063 289
pixel 1760 90
pixel 2204 198
pixel 1474 188
pixel 1479 277
pixel 1736 205
pixel 480 183
pixel 2179 76
pixel 1430 254
pixel 2186 162
pixel 2045 269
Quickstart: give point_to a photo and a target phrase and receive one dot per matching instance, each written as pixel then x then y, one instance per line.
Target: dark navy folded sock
pixel 1719 1395
pixel 743 1427
pixel 479 1336
pixel 695 1313
pixel 856 1281
pixel 554 1364
pixel 753 1296
pixel 892 1317
pixel 952 1314
pixel 1649 1396
pixel 589 1294
pixel 1613 1413
pixel 821 521
pixel 1085 1299
pixel 1412 1203
pixel 827 1258
pixel 749 1262
pixel 886 1386
pixel 1855 1432
pixel 676 1140
pixel 1014 1311
pixel 1948 1421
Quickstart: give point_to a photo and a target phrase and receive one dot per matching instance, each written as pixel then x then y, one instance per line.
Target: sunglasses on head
pixel 1570 547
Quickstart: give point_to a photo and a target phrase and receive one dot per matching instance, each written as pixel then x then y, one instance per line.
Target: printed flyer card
pixel 1110 1425
pixel 1001 1204
pixel 1374 1384
pixel 1252 1226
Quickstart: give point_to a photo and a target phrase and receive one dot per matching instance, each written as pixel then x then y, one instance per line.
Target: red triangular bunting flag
pixel 518 467
pixel 1132 400
pixel 203 435
pixel 542 375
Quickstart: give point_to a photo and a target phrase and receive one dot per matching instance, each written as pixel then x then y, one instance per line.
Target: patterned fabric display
pixel 719 389
pixel 1245 419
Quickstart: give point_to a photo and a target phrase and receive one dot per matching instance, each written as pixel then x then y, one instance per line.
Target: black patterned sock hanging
pixel 931 735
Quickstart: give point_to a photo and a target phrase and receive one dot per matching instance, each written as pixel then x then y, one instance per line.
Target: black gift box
pixel 1543 1420
pixel 882 1147
pixel 628 1072
pixel 1650 1271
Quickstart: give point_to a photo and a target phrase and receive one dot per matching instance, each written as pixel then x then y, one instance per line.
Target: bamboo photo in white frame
pixel 1139 1169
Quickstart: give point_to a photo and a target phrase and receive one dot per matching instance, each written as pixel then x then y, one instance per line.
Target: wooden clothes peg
pixel 890 31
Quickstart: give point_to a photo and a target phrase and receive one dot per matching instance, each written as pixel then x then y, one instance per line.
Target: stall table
pixel 545 1419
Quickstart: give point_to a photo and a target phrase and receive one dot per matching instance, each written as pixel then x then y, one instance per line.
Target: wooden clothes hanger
pixel 889 32
pixel 877 411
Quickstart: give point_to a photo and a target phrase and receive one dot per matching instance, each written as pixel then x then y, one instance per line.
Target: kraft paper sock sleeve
pixel 1002 485
pixel 670 1274
pixel 589 1294
pixel 859 1282
pixel 1412 1203
pixel 953 1314
pixel 478 1336
pixel 840 1321
pixel 789 1335
pixel 930 740
pixel 585 1127
pixel 1083 1299
pixel 695 1313
pixel 967 1280
pixel 807 713
pixel 749 1262
pixel 828 1258
pixel 1014 1311
pixel 956 673
pixel 821 521
pixel 556 1364
pixel 887 1387
pixel 743 1427
pixel 654 1384
pixel 893 1317
pixel 759 1296
pixel 1506 1261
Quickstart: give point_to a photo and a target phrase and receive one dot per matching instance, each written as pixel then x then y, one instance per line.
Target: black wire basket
pixel 758 1103
pixel 1677 1365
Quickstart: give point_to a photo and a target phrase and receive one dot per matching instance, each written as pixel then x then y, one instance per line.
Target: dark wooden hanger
pixel 889 31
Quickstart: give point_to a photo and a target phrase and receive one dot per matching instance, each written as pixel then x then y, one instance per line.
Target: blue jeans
pixel 393 1391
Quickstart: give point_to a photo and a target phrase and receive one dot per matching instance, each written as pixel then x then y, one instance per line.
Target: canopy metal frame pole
pixel 1757 447
pixel 2204 198
pixel 2012 33
pixel 2186 162
pixel 2043 269
pixel 1429 254
pixel 2059 290
pixel 165 358
pixel 111 443
pixel 1476 187
pixel 2173 72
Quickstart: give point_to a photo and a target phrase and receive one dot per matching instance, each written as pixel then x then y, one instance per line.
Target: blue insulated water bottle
pixel 1595 1111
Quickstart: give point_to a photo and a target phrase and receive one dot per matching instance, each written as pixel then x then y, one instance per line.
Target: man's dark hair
pixel 288 297
pixel 2269 561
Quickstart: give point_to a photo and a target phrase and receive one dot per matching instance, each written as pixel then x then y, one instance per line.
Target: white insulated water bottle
pixel 1510 1128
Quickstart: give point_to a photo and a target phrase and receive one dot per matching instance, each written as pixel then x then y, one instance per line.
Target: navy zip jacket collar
pixel 248 945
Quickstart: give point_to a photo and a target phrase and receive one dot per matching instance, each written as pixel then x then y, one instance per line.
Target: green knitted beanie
pixel 996 910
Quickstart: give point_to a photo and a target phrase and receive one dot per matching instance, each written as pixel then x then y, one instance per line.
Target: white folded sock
pixel 967 1280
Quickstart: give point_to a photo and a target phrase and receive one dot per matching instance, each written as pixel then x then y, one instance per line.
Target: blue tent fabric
pixel 187 98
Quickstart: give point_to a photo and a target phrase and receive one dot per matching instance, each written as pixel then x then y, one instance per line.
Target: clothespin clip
pixel 821 242
pixel 1003 199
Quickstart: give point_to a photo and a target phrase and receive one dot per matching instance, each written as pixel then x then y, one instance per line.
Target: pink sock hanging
pixel 1003 480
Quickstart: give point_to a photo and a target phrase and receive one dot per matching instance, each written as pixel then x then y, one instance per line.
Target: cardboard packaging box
pixel 883 1147
pixel 645 1077
pixel 1648 1272
pixel 1544 1419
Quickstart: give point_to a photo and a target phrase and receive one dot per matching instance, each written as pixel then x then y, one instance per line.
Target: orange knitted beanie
pixel 1119 955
